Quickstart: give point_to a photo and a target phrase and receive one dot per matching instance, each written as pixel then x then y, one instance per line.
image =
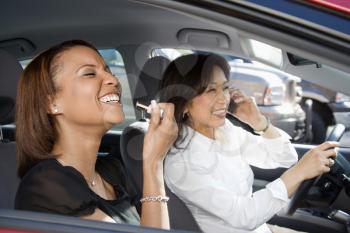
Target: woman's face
pixel 208 110
pixel 89 95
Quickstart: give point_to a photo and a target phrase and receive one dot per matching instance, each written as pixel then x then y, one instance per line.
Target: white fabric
pixel 214 179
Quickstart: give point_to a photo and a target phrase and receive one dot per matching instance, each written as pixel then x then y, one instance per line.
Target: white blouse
pixel 214 179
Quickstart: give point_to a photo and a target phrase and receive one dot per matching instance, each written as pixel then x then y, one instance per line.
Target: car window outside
pixel 274 91
pixel 283 97
pixel 115 62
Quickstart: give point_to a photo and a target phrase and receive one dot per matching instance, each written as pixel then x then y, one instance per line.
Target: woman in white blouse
pixel 208 166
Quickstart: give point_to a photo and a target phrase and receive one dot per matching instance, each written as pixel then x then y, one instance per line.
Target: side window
pixel 275 92
pixel 116 64
pixel 280 95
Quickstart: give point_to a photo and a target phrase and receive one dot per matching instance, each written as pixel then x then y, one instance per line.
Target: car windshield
pixel 289 57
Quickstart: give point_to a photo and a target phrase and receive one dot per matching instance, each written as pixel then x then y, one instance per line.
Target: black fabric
pixel 52 188
pixel 147 87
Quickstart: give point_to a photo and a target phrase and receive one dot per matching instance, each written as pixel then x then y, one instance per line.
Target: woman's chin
pixel 114 120
pixel 117 120
pixel 219 122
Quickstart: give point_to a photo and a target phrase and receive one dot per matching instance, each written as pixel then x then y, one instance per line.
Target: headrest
pixel 151 74
pixel 10 71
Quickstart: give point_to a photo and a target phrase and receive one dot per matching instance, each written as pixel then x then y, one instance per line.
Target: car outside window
pixel 275 92
pixel 282 96
pixel 115 62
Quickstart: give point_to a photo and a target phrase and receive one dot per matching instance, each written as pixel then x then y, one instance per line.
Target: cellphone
pixel 232 106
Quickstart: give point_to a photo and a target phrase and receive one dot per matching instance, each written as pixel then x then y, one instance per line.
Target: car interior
pixel 135 28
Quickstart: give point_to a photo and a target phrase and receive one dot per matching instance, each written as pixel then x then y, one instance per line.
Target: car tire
pixel 319 128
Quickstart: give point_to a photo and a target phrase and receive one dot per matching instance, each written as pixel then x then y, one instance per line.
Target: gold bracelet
pixel 261 132
pixel 154 199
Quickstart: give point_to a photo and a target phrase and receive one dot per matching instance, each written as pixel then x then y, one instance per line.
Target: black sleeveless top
pixel 52 188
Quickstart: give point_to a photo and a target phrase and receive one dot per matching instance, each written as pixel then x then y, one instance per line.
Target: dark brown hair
pixel 36 128
pixel 185 78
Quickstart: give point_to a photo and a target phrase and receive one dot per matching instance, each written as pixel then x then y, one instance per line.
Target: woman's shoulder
pixel 51 187
pixel 51 170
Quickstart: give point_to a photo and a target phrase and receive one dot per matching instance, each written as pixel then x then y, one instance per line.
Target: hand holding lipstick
pixel 161 133
pixel 148 109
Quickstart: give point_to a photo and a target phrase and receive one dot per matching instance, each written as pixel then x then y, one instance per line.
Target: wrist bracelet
pixel 261 132
pixel 154 199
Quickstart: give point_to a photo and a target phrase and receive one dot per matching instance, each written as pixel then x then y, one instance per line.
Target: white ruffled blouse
pixel 214 179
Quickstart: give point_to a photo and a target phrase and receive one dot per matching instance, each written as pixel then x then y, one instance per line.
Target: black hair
pixel 185 78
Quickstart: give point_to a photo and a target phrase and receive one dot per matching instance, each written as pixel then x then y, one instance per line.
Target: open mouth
pixel 220 112
pixel 110 98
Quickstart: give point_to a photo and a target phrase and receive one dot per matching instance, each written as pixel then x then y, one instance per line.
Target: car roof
pixel 31 26
pixel 333 14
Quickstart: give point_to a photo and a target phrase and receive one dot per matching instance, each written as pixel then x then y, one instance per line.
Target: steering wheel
pixel 336 133
pixel 340 162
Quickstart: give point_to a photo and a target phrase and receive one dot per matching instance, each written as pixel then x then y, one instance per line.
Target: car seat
pixel 131 144
pixel 10 71
pixel 147 86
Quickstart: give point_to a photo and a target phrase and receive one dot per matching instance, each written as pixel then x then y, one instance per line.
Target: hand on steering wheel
pixel 312 165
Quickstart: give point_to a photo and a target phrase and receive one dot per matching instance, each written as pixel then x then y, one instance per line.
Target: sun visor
pixel 18 47
pixel 203 39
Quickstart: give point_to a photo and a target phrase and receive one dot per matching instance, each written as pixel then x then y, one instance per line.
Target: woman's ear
pixel 53 107
pixel 185 114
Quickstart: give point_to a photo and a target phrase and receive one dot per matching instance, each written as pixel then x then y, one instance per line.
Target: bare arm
pixel 247 111
pixel 312 164
pixel 160 136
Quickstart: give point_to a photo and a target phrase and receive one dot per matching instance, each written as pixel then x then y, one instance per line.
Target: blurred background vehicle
pixel 328 108
pixel 277 93
pixel 133 28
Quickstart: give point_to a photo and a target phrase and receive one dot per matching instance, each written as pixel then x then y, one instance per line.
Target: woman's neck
pixel 79 151
pixel 206 131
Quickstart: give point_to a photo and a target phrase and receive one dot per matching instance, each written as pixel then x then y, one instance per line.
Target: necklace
pixel 91 182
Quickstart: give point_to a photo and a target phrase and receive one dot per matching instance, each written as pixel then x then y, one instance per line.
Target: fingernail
pixel 336 150
pixel 149 109
pixel 238 100
pixel 153 103
pixel 152 106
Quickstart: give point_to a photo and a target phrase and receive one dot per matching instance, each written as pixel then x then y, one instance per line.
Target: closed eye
pixel 89 74
pixel 211 89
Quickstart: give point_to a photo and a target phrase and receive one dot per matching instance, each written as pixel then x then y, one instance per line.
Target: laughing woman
pixel 208 166
pixel 67 100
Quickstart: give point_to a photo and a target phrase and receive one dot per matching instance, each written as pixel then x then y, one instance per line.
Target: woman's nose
pixel 223 95
pixel 110 79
